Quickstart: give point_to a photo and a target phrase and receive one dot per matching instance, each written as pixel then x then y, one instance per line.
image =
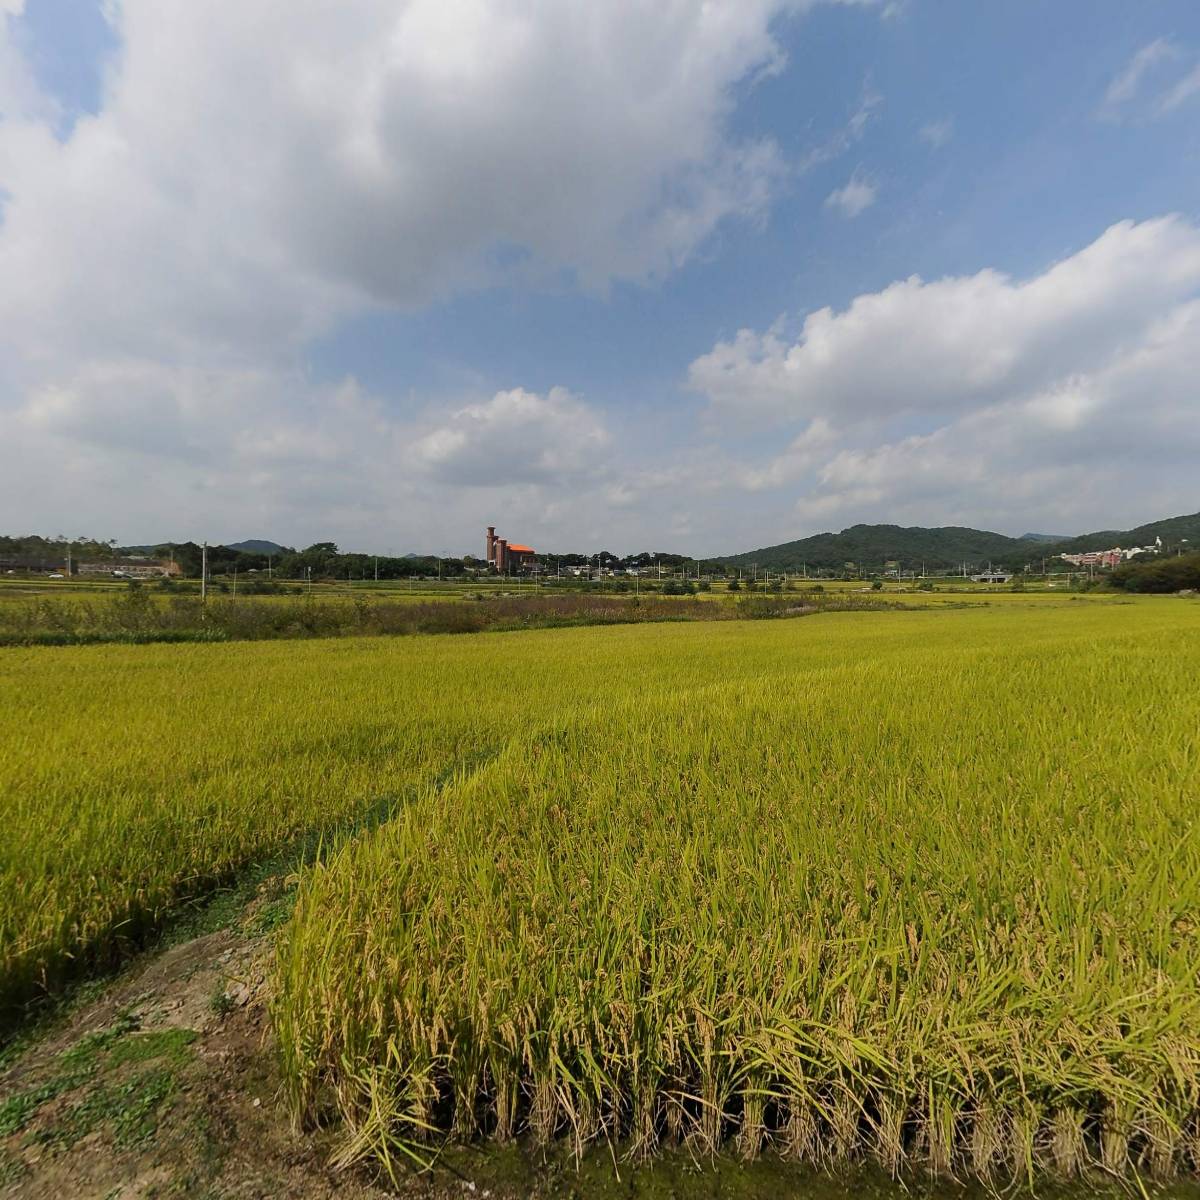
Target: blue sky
pixel 388 274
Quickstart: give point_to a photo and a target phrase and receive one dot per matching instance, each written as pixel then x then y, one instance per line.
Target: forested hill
pixel 869 547
pixel 1176 532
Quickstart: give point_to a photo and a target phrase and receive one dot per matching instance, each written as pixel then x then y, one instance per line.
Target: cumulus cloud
pixel 515 437
pixel 258 173
pixel 983 397
pixel 934 346
pixel 854 198
pixel 253 175
pixel 231 449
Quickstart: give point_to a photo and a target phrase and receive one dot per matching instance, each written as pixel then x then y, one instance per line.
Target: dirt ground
pixel 164 1085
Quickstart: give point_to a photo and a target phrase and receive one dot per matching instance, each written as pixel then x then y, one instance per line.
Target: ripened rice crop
pixel 921 887
pixel 134 776
pixel 916 885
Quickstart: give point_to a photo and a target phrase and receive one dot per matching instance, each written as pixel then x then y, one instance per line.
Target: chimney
pixel 491 543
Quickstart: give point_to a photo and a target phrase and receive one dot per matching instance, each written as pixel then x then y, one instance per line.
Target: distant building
pixel 508 558
pixel 1110 558
pixel 131 568
pixel 991 577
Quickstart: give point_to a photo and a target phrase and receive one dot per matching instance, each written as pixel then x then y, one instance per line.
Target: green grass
pixel 129 1102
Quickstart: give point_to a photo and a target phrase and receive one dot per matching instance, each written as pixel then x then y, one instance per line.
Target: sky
pixel 646 274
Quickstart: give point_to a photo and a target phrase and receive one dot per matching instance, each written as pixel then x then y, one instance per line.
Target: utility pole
pixel 377 568
pixel 204 573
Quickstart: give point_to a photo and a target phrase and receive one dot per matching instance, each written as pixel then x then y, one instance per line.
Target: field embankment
pixel 138 616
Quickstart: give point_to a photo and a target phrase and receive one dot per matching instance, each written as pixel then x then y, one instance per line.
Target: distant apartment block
pixel 1110 558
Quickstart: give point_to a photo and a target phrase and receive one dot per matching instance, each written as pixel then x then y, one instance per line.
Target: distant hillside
pixel 869 547
pixel 255 546
pixel 1046 537
pixel 1173 531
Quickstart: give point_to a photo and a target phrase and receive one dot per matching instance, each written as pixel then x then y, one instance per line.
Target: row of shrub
pixel 137 616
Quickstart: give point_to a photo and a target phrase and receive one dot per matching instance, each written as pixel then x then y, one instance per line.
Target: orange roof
pixel 520 549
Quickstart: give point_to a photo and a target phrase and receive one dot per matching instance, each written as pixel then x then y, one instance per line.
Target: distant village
pixel 503 556
pixel 1111 558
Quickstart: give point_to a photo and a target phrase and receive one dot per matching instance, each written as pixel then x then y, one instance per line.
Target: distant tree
pixel 1159 574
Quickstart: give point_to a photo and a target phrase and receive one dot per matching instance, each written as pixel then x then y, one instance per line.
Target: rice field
pixel 917 886
pixel 921 888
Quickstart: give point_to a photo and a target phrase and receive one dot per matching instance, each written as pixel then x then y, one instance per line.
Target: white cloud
pixel 849 134
pixel 1184 89
pixel 938 133
pixel 176 451
pixel 516 437
pixel 981 399
pixel 1126 85
pixel 854 198
pixel 956 342
pixel 1128 93
pixel 258 172
pixel 253 174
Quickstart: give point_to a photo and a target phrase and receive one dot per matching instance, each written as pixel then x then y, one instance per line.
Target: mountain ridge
pixel 870 547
